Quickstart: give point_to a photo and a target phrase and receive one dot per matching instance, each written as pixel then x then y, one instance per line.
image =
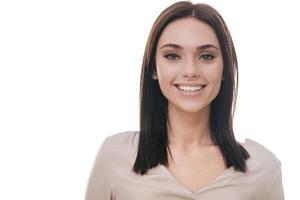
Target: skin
pixel 196 161
pixel 188 117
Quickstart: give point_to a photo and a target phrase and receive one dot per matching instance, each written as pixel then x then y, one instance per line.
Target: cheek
pixel 214 73
pixel 166 76
pixel 214 77
pixel 166 73
pixel 165 79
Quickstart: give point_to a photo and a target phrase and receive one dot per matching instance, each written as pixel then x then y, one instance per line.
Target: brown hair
pixel 153 137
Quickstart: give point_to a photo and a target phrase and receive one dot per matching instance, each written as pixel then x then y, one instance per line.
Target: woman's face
pixel 188 54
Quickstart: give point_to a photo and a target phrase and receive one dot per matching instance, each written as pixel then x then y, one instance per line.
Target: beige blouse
pixel 112 179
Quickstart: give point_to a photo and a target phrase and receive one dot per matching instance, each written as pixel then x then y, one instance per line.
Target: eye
pixel 171 56
pixel 207 57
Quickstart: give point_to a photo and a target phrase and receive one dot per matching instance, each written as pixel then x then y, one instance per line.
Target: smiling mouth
pixel 189 89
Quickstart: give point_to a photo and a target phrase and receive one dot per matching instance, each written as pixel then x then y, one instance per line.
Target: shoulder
pixel 262 159
pixel 264 169
pixel 116 141
pixel 260 156
pixel 118 148
pixel 113 159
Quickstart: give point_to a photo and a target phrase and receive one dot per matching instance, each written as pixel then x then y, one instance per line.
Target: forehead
pixel 188 32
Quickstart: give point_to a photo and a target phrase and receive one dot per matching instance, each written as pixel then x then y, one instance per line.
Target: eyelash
pixel 172 54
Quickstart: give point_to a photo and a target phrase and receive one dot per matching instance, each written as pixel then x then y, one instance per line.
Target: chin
pixel 192 108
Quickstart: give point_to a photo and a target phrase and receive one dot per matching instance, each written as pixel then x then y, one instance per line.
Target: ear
pixel 154 75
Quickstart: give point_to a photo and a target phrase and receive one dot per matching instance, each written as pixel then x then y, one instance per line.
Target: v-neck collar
pixel 219 180
pixel 211 184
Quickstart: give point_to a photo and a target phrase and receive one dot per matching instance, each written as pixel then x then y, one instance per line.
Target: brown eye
pixel 171 56
pixel 207 57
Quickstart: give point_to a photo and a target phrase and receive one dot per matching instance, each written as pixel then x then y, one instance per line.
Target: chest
pixel 196 171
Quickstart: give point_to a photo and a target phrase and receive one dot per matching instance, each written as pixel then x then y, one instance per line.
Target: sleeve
pixel 275 191
pixel 99 187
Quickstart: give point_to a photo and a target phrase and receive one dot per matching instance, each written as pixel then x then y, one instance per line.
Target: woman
pixel 186 148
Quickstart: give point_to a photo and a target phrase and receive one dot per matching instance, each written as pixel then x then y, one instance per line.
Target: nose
pixel 190 69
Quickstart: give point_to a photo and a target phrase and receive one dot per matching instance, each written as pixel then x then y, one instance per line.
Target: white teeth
pixel 190 88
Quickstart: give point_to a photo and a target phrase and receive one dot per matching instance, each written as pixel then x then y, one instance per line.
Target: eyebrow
pixel 176 46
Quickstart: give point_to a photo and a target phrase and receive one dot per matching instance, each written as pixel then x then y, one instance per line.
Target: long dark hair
pixel 153 137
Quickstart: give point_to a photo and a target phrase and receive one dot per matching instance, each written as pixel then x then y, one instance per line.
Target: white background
pixel 69 77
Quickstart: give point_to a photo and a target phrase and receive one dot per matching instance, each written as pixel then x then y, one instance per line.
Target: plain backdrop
pixel 70 72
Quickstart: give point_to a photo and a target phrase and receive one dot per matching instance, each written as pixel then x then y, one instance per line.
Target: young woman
pixel 186 148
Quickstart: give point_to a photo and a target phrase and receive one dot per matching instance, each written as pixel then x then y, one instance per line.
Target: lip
pixel 189 94
pixel 189 84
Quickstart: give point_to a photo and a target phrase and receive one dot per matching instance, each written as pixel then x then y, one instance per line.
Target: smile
pixel 190 90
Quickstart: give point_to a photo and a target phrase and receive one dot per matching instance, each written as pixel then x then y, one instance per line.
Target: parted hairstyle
pixel 153 138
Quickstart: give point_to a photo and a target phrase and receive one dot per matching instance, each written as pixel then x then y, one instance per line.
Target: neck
pixel 188 131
